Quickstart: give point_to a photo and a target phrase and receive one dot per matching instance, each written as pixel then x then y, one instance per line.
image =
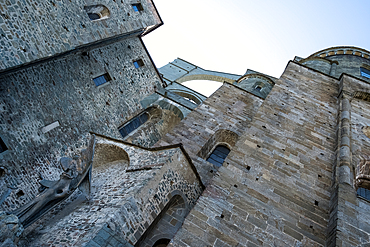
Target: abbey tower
pixel 101 148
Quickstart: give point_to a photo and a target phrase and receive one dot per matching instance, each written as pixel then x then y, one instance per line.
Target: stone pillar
pixel 333 68
pixel 344 169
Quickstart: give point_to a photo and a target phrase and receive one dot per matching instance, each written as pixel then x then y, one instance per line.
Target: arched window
pixel 162 242
pixel 134 124
pixel 96 12
pixel 218 155
pixel 364 193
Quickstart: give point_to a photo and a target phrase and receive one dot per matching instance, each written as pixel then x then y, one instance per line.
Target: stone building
pixel 98 147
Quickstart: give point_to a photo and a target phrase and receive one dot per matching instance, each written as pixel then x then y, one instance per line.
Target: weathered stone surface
pixel 10 229
pixel 63 90
pixel 35 30
pixel 127 196
pixel 288 146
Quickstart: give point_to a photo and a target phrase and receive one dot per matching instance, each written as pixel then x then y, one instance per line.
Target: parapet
pixel 335 61
pixel 342 50
pixel 34 30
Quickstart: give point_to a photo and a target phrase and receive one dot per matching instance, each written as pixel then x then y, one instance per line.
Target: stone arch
pixel 187 94
pixel 163 117
pixel 258 76
pixel 97 12
pixel 168 222
pixel 223 137
pixel 205 77
pixel 152 114
pixel 107 153
pixel 165 105
pixel 257 84
pixel 162 241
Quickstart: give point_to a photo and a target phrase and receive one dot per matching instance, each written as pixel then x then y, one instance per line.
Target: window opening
pixel 93 16
pixel 162 242
pixel 192 101
pixel 101 79
pixel 134 124
pixel 137 7
pixel 364 193
pixel 258 88
pixel 96 12
pixel 3 147
pixel 218 155
pixel 138 63
pixel 365 72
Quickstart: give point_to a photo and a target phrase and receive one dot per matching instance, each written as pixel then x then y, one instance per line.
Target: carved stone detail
pixel 363 173
pixel 77 174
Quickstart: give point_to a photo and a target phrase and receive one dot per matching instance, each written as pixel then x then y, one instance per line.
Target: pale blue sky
pixel 232 36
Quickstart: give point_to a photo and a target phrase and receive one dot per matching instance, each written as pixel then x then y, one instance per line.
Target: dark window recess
pixel 101 79
pixel 162 242
pixel 258 88
pixel 134 124
pixel 138 63
pixel 364 193
pixel 96 12
pixel 218 155
pixel 3 147
pixel 365 72
pixel 93 16
pixel 137 7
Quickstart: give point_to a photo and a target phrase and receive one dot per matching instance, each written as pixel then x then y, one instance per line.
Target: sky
pixel 235 35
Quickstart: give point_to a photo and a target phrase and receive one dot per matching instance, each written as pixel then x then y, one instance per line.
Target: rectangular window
pixel 134 124
pixel 138 63
pixel 137 7
pixel 365 72
pixel 101 79
pixel 3 147
pixel 364 193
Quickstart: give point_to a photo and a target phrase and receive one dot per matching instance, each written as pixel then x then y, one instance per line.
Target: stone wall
pixel 229 108
pixel 274 187
pixel 33 30
pixel 128 195
pixel 47 110
pixel 349 213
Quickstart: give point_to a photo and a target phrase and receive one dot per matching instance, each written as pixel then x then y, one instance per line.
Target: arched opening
pixel 221 137
pixel 97 12
pixel 108 153
pixel 205 87
pixel 166 224
pixel 162 242
pixel 187 96
pixel 162 118
pixel 218 155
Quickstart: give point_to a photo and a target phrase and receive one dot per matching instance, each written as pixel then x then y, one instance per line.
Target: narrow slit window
pixel 134 124
pixel 364 193
pixel 137 7
pixel 101 79
pixel 138 63
pixel 365 72
pixel 218 155
pixel 3 147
